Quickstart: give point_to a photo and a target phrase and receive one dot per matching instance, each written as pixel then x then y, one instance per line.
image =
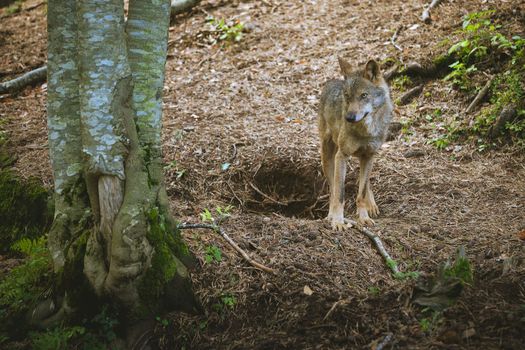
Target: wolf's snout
pixel 351 117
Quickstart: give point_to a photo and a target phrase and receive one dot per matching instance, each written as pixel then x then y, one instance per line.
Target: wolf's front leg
pixel 365 198
pixel 337 195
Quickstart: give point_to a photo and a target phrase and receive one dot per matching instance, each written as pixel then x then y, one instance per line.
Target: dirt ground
pixel 240 129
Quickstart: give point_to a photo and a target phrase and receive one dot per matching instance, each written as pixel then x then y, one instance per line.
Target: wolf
pixel 354 117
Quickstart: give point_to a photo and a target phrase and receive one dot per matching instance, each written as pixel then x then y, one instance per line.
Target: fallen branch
pixel 181 6
pixel 335 306
pixel 394 37
pixel 409 95
pixel 480 96
pixel 425 17
pixel 221 232
pixel 30 78
pixel 385 341
pixel 391 263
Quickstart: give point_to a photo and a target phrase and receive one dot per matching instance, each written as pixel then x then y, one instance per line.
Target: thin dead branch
pixel 480 96
pixel 380 247
pixel 394 37
pixel 425 17
pixel 234 245
pixel 265 195
pixel 384 342
pixel 336 305
pixel 33 77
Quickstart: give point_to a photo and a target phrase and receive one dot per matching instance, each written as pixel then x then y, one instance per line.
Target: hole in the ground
pixel 287 189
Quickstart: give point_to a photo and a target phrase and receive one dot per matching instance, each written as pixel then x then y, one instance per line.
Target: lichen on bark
pixel 112 227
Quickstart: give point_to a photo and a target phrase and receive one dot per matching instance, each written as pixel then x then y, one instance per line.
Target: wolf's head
pixel 364 90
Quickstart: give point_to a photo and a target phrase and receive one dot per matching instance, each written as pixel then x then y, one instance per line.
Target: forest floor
pixel 240 129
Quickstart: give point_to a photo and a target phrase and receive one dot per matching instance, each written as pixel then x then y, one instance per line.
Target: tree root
pixel 507 114
pixel 33 77
pixel 480 96
pixel 221 232
pixel 409 95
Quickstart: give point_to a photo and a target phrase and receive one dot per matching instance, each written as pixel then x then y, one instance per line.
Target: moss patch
pixel 164 264
pixel 24 209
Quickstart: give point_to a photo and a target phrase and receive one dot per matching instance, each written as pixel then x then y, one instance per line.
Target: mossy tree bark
pixel 112 235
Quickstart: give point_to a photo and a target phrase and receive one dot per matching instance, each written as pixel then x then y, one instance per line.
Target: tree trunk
pixel 113 238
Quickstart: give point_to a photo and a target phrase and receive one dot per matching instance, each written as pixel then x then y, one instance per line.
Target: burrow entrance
pixel 289 189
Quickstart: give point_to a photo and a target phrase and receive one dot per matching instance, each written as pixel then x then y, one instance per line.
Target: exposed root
pixel 220 231
pixel 480 96
pixel 409 95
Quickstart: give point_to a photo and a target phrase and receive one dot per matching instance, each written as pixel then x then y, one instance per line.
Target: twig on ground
pixel 32 7
pixel 385 341
pixel 221 232
pixel 30 78
pixel 394 37
pixel 409 95
pixel 379 245
pixel 480 96
pixel 335 306
pixel 265 195
pixel 425 17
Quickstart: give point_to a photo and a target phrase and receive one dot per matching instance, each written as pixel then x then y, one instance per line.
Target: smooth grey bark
pixel 112 224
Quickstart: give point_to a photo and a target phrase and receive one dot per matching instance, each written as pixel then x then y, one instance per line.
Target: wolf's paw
pixel 341 225
pixel 363 218
pixel 366 221
pixel 373 210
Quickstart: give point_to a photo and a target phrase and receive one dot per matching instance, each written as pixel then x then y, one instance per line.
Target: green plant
pixel 59 338
pixel 14 8
pixel 401 82
pixel 23 285
pixel 213 253
pixel 460 269
pixel 372 290
pixel 179 172
pixel 430 323
pixel 226 301
pixel 222 214
pixel 226 31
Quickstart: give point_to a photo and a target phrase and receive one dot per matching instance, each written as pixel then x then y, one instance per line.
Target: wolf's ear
pixel 372 70
pixel 346 68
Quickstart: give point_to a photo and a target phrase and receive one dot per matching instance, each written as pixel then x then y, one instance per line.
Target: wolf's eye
pixel 364 95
